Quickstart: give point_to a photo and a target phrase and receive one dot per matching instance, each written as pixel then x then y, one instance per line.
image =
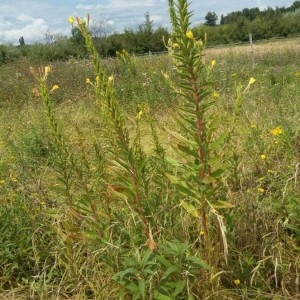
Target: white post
pixel 251 49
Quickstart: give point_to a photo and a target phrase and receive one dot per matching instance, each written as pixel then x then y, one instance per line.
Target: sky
pixel 33 19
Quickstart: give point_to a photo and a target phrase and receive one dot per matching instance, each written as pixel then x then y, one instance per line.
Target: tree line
pixel 231 28
pixel 262 24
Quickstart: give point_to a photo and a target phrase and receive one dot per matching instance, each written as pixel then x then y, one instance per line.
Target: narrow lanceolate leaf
pixel 181 138
pixel 187 150
pixel 182 187
pixel 219 141
pixel 191 209
pixel 218 204
pixel 198 261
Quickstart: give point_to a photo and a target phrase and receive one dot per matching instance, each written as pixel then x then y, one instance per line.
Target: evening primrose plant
pixel 204 164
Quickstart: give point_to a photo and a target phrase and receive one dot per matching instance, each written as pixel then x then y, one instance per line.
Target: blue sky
pixel 32 19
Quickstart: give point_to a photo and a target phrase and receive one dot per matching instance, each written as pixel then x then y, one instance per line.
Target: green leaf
pixel 219 141
pixel 169 271
pixel 132 287
pixel 218 204
pixel 199 262
pixel 182 139
pixel 146 257
pixel 142 286
pixel 120 275
pixel 208 180
pixel 191 209
pixel 164 261
pixel 159 296
pixel 179 286
pixel 218 172
pixel 187 150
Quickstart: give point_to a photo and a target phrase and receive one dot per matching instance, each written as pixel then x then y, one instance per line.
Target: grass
pixel 51 251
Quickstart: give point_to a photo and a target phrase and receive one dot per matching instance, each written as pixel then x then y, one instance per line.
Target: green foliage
pixel 211 19
pixel 171 273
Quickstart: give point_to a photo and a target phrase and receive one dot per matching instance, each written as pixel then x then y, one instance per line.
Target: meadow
pixel 139 178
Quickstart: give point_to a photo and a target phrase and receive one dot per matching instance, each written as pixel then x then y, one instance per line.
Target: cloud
pixel 32 29
pixel 33 18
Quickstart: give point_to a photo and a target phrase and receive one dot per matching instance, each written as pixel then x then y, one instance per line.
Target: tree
pixel 22 41
pixel 211 19
pixel 145 34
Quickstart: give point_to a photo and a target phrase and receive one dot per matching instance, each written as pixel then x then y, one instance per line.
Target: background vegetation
pixel 231 28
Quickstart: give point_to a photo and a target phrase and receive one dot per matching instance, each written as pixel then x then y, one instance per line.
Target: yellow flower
pixel 263 156
pixel 252 80
pixel 213 63
pixel 260 190
pixel 237 281
pixel 202 233
pixel 88 81
pixel 276 131
pixel 189 34
pixel 139 114
pixel 47 70
pixel 55 87
pixel 111 78
pixel 216 94
pixel 71 20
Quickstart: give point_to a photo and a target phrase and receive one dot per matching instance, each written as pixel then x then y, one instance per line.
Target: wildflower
pixel 216 94
pixel 263 156
pixel 55 87
pixel 236 281
pixel 189 34
pixel 47 70
pixel 202 233
pixel 276 131
pixel 260 190
pixel 111 78
pixel 213 63
pixel 139 114
pixel 252 80
pixel 71 20
pixel 88 81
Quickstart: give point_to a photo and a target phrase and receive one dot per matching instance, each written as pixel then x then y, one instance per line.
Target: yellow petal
pixel 252 80
pixel 189 34
pixel 71 20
